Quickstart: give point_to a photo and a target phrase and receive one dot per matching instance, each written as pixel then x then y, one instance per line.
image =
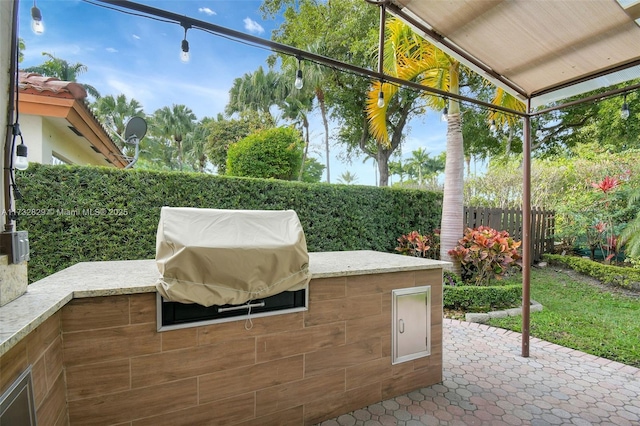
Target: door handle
pixel 401 326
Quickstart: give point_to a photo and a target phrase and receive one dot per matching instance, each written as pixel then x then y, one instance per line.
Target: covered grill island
pixel 348 329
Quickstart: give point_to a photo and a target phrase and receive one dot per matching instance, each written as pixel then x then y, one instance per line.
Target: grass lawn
pixel 582 315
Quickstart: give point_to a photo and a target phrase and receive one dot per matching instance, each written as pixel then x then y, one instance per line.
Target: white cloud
pixel 252 26
pixel 111 50
pixel 206 11
pixel 137 37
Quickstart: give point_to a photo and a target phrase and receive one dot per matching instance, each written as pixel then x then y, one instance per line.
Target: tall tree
pixel 115 112
pixel 410 57
pixel 195 145
pixel 222 132
pixel 63 70
pixel 257 91
pixel 174 124
pixel 346 31
pixel 314 78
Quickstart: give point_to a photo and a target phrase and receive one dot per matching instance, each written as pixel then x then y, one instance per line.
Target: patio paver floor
pixel 487 382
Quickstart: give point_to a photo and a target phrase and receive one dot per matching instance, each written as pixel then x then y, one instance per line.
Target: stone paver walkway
pixel 487 382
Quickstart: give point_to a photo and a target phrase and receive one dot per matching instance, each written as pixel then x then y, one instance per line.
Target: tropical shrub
pixel 273 153
pixel 617 276
pixel 418 245
pixel 485 254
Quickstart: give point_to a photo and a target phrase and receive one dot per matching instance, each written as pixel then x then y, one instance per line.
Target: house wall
pixel 42 349
pixel 6 29
pixel 43 139
pixel 298 368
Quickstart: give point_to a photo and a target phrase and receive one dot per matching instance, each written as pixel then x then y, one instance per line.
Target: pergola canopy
pixel 543 50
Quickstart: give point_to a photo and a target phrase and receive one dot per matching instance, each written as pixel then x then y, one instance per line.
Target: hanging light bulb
pixel 381 98
pixel 37 26
pixel 299 83
pixel 184 52
pixel 624 112
pixel 21 162
pixel 445 114
pixel 493 127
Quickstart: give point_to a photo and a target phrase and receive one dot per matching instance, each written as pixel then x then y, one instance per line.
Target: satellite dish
pixel 136 128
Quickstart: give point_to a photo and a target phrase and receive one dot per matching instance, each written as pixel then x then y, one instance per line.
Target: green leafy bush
pixel 79 213
pixel 481 298
pixel 273 153
pixel 607 274
pixel 485 254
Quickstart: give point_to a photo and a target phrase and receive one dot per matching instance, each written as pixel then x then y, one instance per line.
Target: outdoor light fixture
pixel 624 112
pixel 381 98
pixel 21 162
pixel 445 114
pixel 299 82
pixel 37 26
pixel 184 53
pixel 493 127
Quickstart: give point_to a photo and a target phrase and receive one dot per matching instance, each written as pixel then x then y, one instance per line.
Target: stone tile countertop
pixel 89 279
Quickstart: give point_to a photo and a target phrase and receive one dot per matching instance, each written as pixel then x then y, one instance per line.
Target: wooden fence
pixel 510 220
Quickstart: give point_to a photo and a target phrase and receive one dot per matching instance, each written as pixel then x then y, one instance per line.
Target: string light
pixel 445 114
pixel 299 83
pixel 21 157
pixel 624 112
pixel 184 52
pixel 381 98
pixel 37 26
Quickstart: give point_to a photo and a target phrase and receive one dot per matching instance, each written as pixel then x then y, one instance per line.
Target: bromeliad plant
pixel 485 254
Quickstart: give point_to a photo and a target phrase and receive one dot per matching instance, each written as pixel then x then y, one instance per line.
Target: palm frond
pixel 378 116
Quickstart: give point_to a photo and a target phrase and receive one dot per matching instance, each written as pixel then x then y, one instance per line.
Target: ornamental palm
pixel 258 91
pixel 116 112
pixel 410 57
pixel 174 123
pixel 63 70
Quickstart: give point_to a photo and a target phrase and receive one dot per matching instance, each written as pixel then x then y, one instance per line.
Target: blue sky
pixel 140 58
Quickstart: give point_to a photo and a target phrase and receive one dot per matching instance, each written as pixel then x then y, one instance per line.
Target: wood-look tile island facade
pixel 98 358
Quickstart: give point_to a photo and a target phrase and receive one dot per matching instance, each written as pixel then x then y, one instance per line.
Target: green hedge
pixel 481 298
pixel 79 213
pixel 607 274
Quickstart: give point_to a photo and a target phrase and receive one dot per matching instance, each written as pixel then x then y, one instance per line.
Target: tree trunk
pixel 452 201
pixel 383 166
pixel 306 148
pixel 451 227
pixel 325 123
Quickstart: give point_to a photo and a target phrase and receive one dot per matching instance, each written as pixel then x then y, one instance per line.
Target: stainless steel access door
pixel 411 323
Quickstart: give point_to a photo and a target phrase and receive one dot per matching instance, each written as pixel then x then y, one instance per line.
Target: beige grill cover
pixel 219 257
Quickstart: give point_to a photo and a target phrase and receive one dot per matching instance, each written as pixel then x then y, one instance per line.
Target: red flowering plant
pixel 606 237
pixel 485 254
pixel 418 245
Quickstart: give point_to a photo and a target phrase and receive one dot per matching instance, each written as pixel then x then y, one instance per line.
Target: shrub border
pixel 611 275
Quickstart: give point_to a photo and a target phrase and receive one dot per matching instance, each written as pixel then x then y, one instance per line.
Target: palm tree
pixel 295 108
pixel 116 112
pixel 174 124
pixel 258 91
pixel 348 178
pixel 63 70
pixel 410 57
pixel 397 168
pixel 195 144
pixel 314 77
